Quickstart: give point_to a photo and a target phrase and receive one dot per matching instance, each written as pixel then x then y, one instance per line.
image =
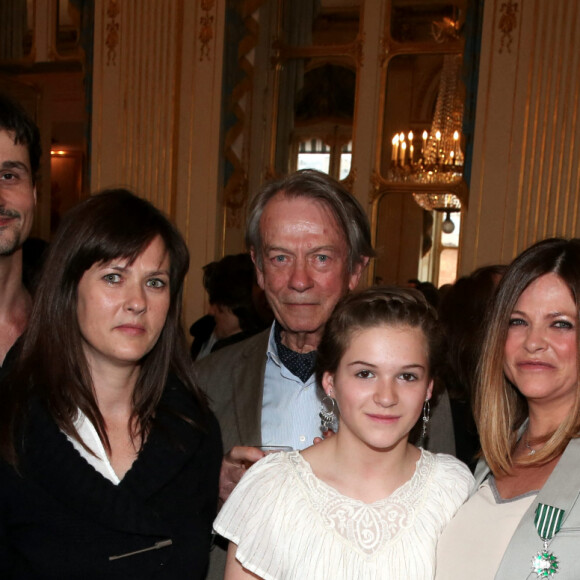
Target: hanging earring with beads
pixel 426 417
pixel 327 413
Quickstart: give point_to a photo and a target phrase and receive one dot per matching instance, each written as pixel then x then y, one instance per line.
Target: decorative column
pixel 156 115
pixel 369 102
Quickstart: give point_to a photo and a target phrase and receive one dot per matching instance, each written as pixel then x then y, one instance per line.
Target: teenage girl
pixel 364 503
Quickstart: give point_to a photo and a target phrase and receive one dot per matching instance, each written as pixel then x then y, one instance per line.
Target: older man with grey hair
pixel 310 241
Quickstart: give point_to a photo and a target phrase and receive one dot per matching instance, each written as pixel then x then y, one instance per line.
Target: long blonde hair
pixel 500 409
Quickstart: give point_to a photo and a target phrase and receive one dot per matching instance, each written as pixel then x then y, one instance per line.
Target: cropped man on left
pixel 19 161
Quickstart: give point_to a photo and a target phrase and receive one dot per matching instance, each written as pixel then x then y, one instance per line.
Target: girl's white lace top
pixel 288 524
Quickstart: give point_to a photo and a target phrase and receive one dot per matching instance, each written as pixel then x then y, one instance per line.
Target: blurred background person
pixel 235 311
pixel 431 293
pixel 34 252
pixel 462 312
pixel 523 520
pixel 109 455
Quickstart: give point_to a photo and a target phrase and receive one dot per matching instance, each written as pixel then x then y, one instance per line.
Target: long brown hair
pixel 500 409
pixel 52 365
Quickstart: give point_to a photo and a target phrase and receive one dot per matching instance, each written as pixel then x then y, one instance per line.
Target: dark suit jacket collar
pixel 250 390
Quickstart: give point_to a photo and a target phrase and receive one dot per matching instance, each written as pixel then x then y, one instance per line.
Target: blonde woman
pixel 523 521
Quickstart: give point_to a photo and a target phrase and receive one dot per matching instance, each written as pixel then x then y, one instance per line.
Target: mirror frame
pixel 380 185
pixel 340 54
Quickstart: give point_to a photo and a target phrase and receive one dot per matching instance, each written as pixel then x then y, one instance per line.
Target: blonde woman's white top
pixel 473 544
pixel 288 524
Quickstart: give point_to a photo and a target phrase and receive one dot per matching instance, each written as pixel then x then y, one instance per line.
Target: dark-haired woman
pixel 523 520
pixel 364 504
pixel 109 455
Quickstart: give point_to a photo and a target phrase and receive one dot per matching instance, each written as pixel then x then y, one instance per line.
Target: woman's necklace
pixel 528 446
pixel 531 450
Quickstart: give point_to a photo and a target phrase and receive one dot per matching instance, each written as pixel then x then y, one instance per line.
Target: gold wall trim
pixel 521 194
pixel 550 137
pixel 206 32
pixel 573 181
pixel 147 84
pixel 508 22
pixel 113 32
pixel 475 215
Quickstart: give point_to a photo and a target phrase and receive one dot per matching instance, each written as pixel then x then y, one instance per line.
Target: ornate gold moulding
pixel 433 195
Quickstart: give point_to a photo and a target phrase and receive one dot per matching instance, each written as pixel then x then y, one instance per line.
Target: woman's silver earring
pixel 327 414
pixel 425 418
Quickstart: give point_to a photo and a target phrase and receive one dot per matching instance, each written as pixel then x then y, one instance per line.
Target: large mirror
pixel 316 55
pixel 411 94
pixel 323 121
pixel 56 22
pixel 420 189
pixel 424 21
pixel 68 27
pixel 413 243
pixel 16 25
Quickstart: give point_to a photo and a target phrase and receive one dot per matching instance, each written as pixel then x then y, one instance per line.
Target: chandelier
pixel 435 157
pixel 443 202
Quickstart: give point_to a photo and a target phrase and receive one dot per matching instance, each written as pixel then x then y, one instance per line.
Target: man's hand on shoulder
pixel 234 465
pixel 325 435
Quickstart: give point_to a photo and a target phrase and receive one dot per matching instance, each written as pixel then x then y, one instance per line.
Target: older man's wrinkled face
pixel 17 194
pixel 304 267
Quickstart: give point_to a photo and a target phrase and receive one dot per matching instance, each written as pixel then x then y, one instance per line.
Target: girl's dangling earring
pixel 425 418
pixel 327 413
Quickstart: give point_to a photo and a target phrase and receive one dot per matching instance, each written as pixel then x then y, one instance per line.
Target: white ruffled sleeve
pixel 252 515
pixel 452 486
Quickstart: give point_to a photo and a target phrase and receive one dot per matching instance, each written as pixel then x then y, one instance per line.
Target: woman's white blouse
pixel 89 435
pixel 473 544
pixel 288 524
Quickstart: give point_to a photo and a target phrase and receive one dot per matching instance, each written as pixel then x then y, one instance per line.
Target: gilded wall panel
pixel 525 178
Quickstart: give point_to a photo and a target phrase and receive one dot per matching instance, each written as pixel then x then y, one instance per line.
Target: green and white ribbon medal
pixel 547 521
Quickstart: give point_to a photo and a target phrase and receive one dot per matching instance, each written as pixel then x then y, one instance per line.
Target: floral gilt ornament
pixel 507 24
pixel 547 521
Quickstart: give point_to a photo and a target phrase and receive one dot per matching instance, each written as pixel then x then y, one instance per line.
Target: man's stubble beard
pixel 10 241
